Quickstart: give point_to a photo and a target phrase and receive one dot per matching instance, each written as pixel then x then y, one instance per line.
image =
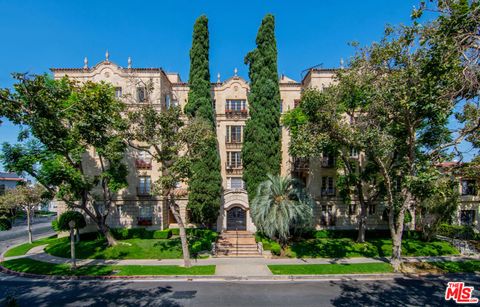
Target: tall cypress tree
pixel 205 185
pixel 261 152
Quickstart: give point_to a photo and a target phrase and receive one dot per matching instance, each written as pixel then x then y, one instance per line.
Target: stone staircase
pixel 236 244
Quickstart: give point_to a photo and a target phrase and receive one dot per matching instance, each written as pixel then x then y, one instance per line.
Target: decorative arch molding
pixel 236 199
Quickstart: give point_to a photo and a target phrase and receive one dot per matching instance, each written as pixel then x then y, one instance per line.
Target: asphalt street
pixel 19 234
pixel 395 292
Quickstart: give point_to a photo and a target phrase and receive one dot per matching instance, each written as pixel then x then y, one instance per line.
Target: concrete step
pixel 242 249
pixel 239 253
pixel 235 246
pixel 237 241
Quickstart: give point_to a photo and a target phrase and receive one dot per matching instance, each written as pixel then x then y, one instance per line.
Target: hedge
pixel 458 231
pixel 5 224
pixel 162 234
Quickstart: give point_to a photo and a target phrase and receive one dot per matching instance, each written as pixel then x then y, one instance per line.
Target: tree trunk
pixel 183 235
pixel 362 223
pixel 105 230
pixel 29 226
pixel 396 231
pixel 77 235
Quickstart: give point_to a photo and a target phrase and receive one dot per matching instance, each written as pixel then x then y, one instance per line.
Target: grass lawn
pixel 345 247
pixel 26 265
pixel 319 269
pixel 458 266
pixel 126 249
pixel 24 248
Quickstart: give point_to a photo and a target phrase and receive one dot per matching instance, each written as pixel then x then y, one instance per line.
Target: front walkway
pixel 228 266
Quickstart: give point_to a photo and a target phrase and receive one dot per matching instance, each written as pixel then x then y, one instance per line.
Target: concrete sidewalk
pixel 229 266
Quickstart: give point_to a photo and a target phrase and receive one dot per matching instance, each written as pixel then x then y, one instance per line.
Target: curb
pixel 2 255
pixel 326 277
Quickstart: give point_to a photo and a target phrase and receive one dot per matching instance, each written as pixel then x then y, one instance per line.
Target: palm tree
pixel 281 207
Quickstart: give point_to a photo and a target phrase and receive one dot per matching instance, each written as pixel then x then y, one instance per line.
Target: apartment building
pixel 136 206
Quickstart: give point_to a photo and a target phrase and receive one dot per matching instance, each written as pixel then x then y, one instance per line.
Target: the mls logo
pixel 460 293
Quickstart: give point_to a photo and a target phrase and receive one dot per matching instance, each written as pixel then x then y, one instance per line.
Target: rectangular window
pixel 469 187
pixel 141 94
pixel 328 186
pixel 234 159
pixel 352 209
pixel 371 209
pixel 167 102
pixel 234 134
pixel 328 160
pixel 353 152
pixel 144 185
pixel 467 217
pixel 146 211
pixel 120 210
pixel 236 105
pixel 235 183
pixel 281 106
pixel 118 92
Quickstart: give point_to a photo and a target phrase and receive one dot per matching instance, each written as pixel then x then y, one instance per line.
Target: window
pixel 235 105
pixel 234 159
pixel 353 152
pixel 235 183
pixel 234 134
pixel 167 102
pixel 144 185
pixel 327 208
pixel 2 189
pixel 328 160
pixel 328 186
pixel 120 210
pixel 281 106
pixel 141 97
pixel 352 209
pixel 371 209
pixel 146 211
pixel 144 155
pixel 467 217
pixel 469 187
pixel 144 159
pixel 118 92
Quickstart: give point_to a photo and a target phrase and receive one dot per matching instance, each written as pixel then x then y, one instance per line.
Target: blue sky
pixel 38 35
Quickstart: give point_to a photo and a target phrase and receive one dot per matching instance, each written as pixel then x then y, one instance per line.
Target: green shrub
pixel 275 248
pixel 162 234
pixel 5 224
pixel 55 225
pixel 457 231
pixel 68 216
pixel 175 231
pixel 131 233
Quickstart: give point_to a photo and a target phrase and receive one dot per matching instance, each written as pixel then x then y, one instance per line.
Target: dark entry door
pixel 236 219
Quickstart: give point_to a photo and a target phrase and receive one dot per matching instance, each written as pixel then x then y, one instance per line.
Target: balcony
pixel 143 191
pixel 233 144
pixel 143 163
pixel 144 221
pixel 327 192
pixel 233 169
pixel 236 113
pixel 301 164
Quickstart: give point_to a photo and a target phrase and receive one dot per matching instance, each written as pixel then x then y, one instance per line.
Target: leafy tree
pixel 438 197
pixel 67 216
pixel 175 145
pixel 205 184
pixel 261 152
pixel 281 207
pixel 325 122
pixel 68 128
pixel 27 198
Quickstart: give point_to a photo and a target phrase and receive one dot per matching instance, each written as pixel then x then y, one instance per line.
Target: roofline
pixel 318 70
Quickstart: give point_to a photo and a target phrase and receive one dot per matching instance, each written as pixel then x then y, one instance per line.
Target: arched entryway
pixel 236 219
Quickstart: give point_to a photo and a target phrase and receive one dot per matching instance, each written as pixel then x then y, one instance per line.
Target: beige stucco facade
pixel 134 206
